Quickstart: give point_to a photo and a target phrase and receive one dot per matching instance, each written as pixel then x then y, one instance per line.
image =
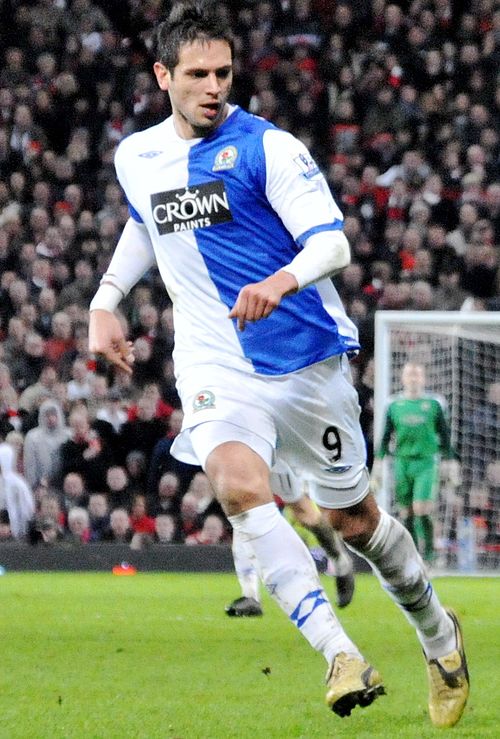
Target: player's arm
pixel 299 194
pixel 324 255
pixel 382 451
pixel 387 433
pixel 451 471
pixel 443 430
pixel 133 256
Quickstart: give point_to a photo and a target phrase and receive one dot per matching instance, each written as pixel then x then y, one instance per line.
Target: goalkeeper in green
pixel 418 433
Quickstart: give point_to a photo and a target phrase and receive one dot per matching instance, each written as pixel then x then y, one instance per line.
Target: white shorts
pixel 308 419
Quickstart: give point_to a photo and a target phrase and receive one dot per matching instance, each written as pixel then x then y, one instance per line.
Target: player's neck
pixel 187 131
pixel 413 394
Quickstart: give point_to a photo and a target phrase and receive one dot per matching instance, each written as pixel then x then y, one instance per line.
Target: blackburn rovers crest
pixel 203 400
pixel 225 159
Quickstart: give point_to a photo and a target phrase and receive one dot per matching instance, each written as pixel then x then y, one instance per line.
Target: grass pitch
pixel 153 656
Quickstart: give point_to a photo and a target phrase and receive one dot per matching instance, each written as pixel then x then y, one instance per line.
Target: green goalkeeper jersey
pixel 419 428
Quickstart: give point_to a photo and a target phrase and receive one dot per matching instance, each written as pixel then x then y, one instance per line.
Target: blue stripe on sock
pixel 421 603
pixel 307 606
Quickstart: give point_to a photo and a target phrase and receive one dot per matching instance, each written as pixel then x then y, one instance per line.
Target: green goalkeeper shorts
pixel 415 479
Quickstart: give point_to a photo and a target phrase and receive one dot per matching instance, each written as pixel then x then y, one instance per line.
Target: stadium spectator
pixel 78 526
pixel 89 451
pixel 112 410
pixel 168 496
pixel 31 398
pixel 190 520
pixel 211 532
pixel 206 503
pixel 15 495
pixel 165 529
pixel 117 486
pixel 162 409
pixel 120 531
pixel 8 394
pixel 80 385
pixel 27 367
pixel 99 392
pixel 99 516
pixel 449 295
pixel 73 494
pixel 140 522
pixel 135 464
pixel 13 344
pixel 61 338
pixel 43 445
pixel 142 433
pixel 6 531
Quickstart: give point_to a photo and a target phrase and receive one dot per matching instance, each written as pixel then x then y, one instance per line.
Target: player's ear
pixel 162 75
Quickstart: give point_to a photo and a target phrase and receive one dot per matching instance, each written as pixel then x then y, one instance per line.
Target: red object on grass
pixel 124 569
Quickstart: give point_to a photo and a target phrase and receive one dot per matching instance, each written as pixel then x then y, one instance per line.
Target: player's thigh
pixel 426 479
pixel 403 482
pixel 319 433
pixel 238 474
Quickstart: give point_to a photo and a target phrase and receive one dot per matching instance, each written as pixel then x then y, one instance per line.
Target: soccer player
pixel 416 421
pixel 288 486
pixel 246 236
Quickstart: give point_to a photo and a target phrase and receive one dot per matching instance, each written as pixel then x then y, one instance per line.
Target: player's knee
pixel 422 508
pixel 239 491
pixel 306 513
pixel 358 523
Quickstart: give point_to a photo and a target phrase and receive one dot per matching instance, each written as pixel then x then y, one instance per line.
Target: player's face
pixel 198 86
pixel 413 378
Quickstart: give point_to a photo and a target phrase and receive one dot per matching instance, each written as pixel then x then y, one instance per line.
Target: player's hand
pixel 107 339
pixel 451 472
pixel 258 299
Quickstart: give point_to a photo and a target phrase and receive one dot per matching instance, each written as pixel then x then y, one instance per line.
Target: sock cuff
pixel 381 533
pixel 256 522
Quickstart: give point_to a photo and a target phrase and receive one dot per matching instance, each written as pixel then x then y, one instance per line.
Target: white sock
pixel 289 574
pixel 244 565
pixel 399 567
pixel 342 562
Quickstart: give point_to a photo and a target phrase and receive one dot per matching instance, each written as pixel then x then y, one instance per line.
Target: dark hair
pixel 188 21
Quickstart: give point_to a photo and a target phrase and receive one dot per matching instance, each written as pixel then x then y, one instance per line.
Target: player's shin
pixel 289 574
pixel 395 560
pixel 244 565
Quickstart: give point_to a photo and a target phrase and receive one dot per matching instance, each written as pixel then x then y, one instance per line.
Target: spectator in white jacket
pixel 42 445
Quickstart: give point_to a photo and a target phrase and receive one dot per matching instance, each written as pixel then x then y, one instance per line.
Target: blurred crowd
pixel 399 104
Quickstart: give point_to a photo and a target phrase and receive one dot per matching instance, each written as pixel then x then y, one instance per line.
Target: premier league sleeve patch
pixel 307 166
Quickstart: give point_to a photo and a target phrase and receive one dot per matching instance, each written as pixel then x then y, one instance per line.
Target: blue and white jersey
pixel 228 210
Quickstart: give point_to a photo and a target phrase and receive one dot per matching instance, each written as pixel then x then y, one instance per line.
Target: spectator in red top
pixel 140 522
pixel 79 525
pixel 190 520
pixel 212 532
pixel 152 391
pixel 61 340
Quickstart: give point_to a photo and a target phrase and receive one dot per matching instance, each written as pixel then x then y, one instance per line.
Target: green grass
pixel 154 656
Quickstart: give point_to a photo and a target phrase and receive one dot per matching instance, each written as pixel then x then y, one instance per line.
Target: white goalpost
pixel 461 355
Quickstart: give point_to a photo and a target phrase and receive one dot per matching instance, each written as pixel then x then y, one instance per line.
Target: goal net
pixel 461 356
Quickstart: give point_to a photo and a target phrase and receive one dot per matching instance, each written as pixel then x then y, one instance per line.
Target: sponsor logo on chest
pixel 201 206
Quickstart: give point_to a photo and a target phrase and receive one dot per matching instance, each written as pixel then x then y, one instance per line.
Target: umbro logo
pixel 150 154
